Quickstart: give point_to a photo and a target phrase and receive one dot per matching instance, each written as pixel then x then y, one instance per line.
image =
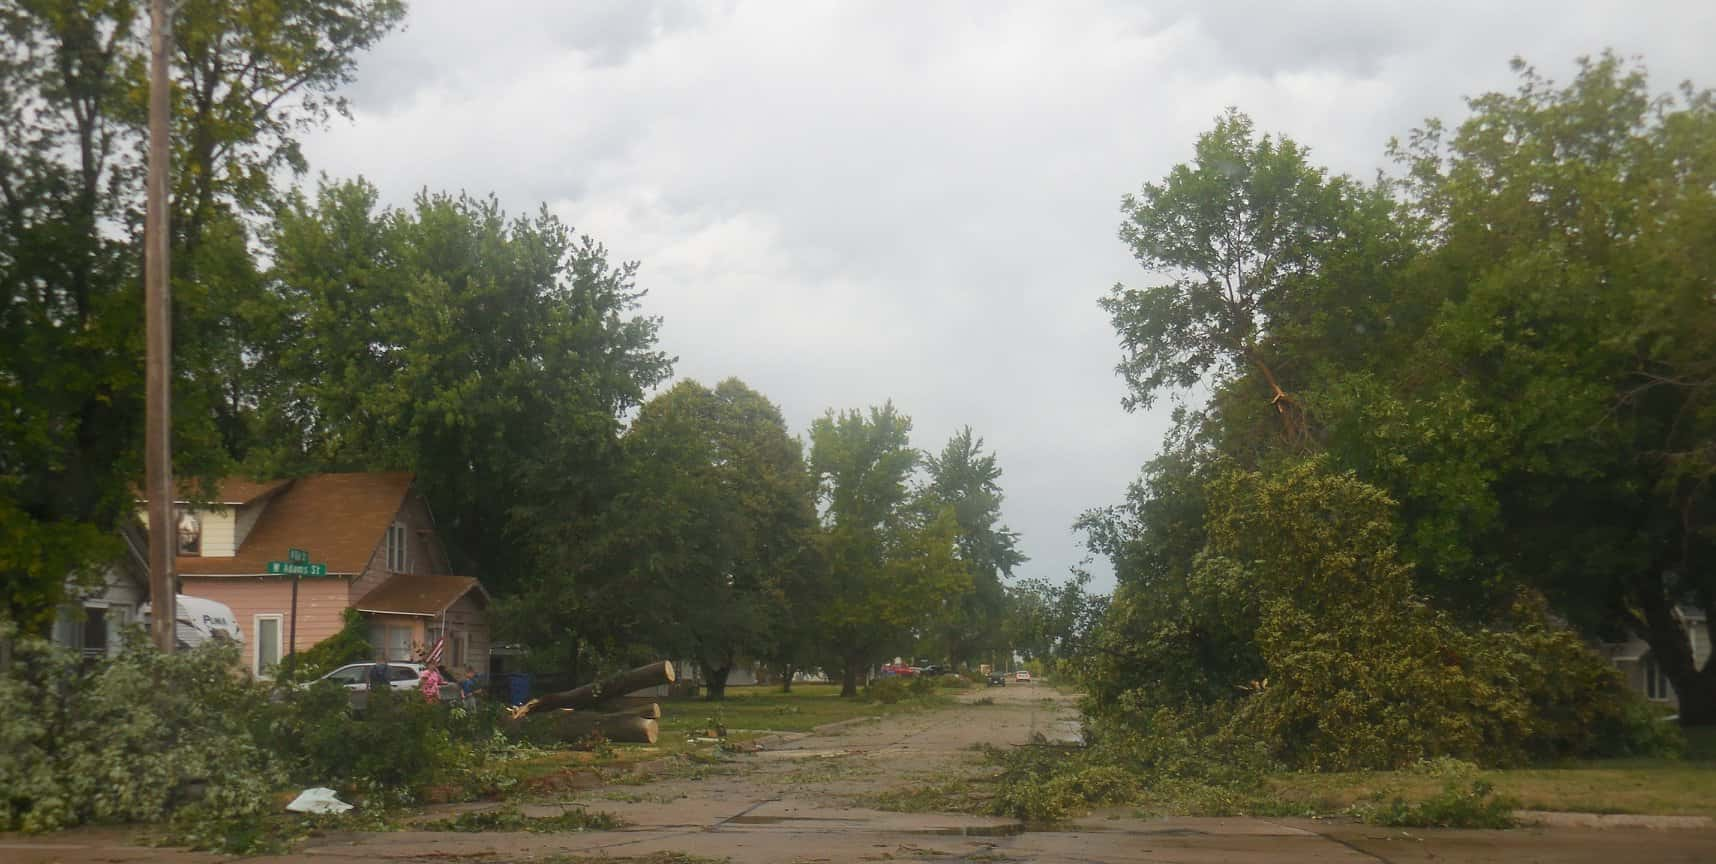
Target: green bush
pixel 136 739
pixel 349 645
pixel 188 739
pixel 885 690
pixel 1299 628
pixel 923 685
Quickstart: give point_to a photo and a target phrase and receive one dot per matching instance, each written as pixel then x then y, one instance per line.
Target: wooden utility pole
pixel 158 329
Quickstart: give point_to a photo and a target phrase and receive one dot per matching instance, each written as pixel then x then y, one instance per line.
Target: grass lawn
pixel 1663 787
pixel 765 709
pixel 748 712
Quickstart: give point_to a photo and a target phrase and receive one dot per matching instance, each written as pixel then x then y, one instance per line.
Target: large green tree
pixel 968 480
pixel 708 537
pixel 71 183
pixel 893 565
pixel 1511 341
pixel 493 356
pixel 1572 230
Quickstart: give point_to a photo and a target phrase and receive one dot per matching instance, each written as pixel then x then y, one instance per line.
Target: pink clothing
pixel 431 684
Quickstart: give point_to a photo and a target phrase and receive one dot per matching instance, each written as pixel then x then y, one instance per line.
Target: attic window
pixel 190 530
pixel 396 548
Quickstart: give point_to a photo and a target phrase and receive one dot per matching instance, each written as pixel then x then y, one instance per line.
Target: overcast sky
pixel 844 203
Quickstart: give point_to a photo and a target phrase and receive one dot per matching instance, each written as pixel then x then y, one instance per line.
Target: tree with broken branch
pixel 1233 231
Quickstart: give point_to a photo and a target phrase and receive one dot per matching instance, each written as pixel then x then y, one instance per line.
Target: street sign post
pixel 297 565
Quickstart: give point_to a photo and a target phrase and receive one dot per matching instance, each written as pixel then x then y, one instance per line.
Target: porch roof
pixel 427 596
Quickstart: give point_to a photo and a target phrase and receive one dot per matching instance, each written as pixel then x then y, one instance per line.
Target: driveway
pixel 811 798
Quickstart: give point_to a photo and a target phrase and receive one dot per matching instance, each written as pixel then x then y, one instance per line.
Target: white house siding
pixel 118 597
pixel 219 533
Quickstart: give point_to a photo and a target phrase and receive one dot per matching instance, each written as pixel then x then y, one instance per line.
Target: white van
pixel 201 620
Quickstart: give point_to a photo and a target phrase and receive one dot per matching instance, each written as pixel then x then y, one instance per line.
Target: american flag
pixel 434 658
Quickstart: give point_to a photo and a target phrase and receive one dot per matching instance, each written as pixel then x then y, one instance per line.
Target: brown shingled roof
pixel 339 519
pixel 232 491
pixel 410 594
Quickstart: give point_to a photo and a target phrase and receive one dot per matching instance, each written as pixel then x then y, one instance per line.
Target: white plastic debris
pixel 318 799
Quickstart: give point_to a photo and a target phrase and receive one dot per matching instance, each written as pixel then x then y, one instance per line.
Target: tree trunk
pixel 787 671
pixel 643 706
pixel 1671 648
pixel 591 695
pixel 624 727
pixel 849 675
pixel 716 682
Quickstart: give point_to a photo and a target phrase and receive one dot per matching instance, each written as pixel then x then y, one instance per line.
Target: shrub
pixel 885 690
pixel 398 741
pixel 349 645
pixel 135 739
pixel 922 685
pixel 1298 626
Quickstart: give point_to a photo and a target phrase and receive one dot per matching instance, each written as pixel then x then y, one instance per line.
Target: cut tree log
pixel 574 726
pixel 643 706
pixel 593 694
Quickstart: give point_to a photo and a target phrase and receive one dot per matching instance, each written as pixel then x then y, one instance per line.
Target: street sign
pixel 292 568
pixel 297 556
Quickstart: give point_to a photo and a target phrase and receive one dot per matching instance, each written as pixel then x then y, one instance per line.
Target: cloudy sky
pixel 844 203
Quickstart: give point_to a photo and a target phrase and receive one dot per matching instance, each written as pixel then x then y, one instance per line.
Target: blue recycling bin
pixel 517 687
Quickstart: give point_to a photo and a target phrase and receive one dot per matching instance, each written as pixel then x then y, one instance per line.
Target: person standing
pixel 380 675
pixel 431 684
pixel 468 688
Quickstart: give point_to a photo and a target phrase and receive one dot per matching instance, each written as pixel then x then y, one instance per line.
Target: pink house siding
pixel 320 605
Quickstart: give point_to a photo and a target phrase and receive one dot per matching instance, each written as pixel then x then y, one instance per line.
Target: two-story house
pixel 375 535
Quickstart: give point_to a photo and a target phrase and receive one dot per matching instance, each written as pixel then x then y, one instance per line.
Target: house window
pixel 399 643
pixel 460 649
pixel 1656 684
pixel 268 644
pixel 396 548
pixel 190 530
pixel 94 631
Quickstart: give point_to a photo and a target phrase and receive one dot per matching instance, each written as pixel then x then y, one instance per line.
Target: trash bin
pixel 517 688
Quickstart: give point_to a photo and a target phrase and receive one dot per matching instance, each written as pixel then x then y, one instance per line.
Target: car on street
pixel 401 676
pixel 997 679
pixel 1022 675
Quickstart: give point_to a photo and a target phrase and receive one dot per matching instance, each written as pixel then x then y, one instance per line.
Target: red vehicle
pixel 899 670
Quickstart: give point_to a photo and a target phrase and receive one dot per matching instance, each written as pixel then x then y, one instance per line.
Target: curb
pixel 1555 819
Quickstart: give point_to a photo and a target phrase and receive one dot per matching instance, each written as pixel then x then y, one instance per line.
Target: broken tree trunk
pixel 628 728
pixel 593 694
